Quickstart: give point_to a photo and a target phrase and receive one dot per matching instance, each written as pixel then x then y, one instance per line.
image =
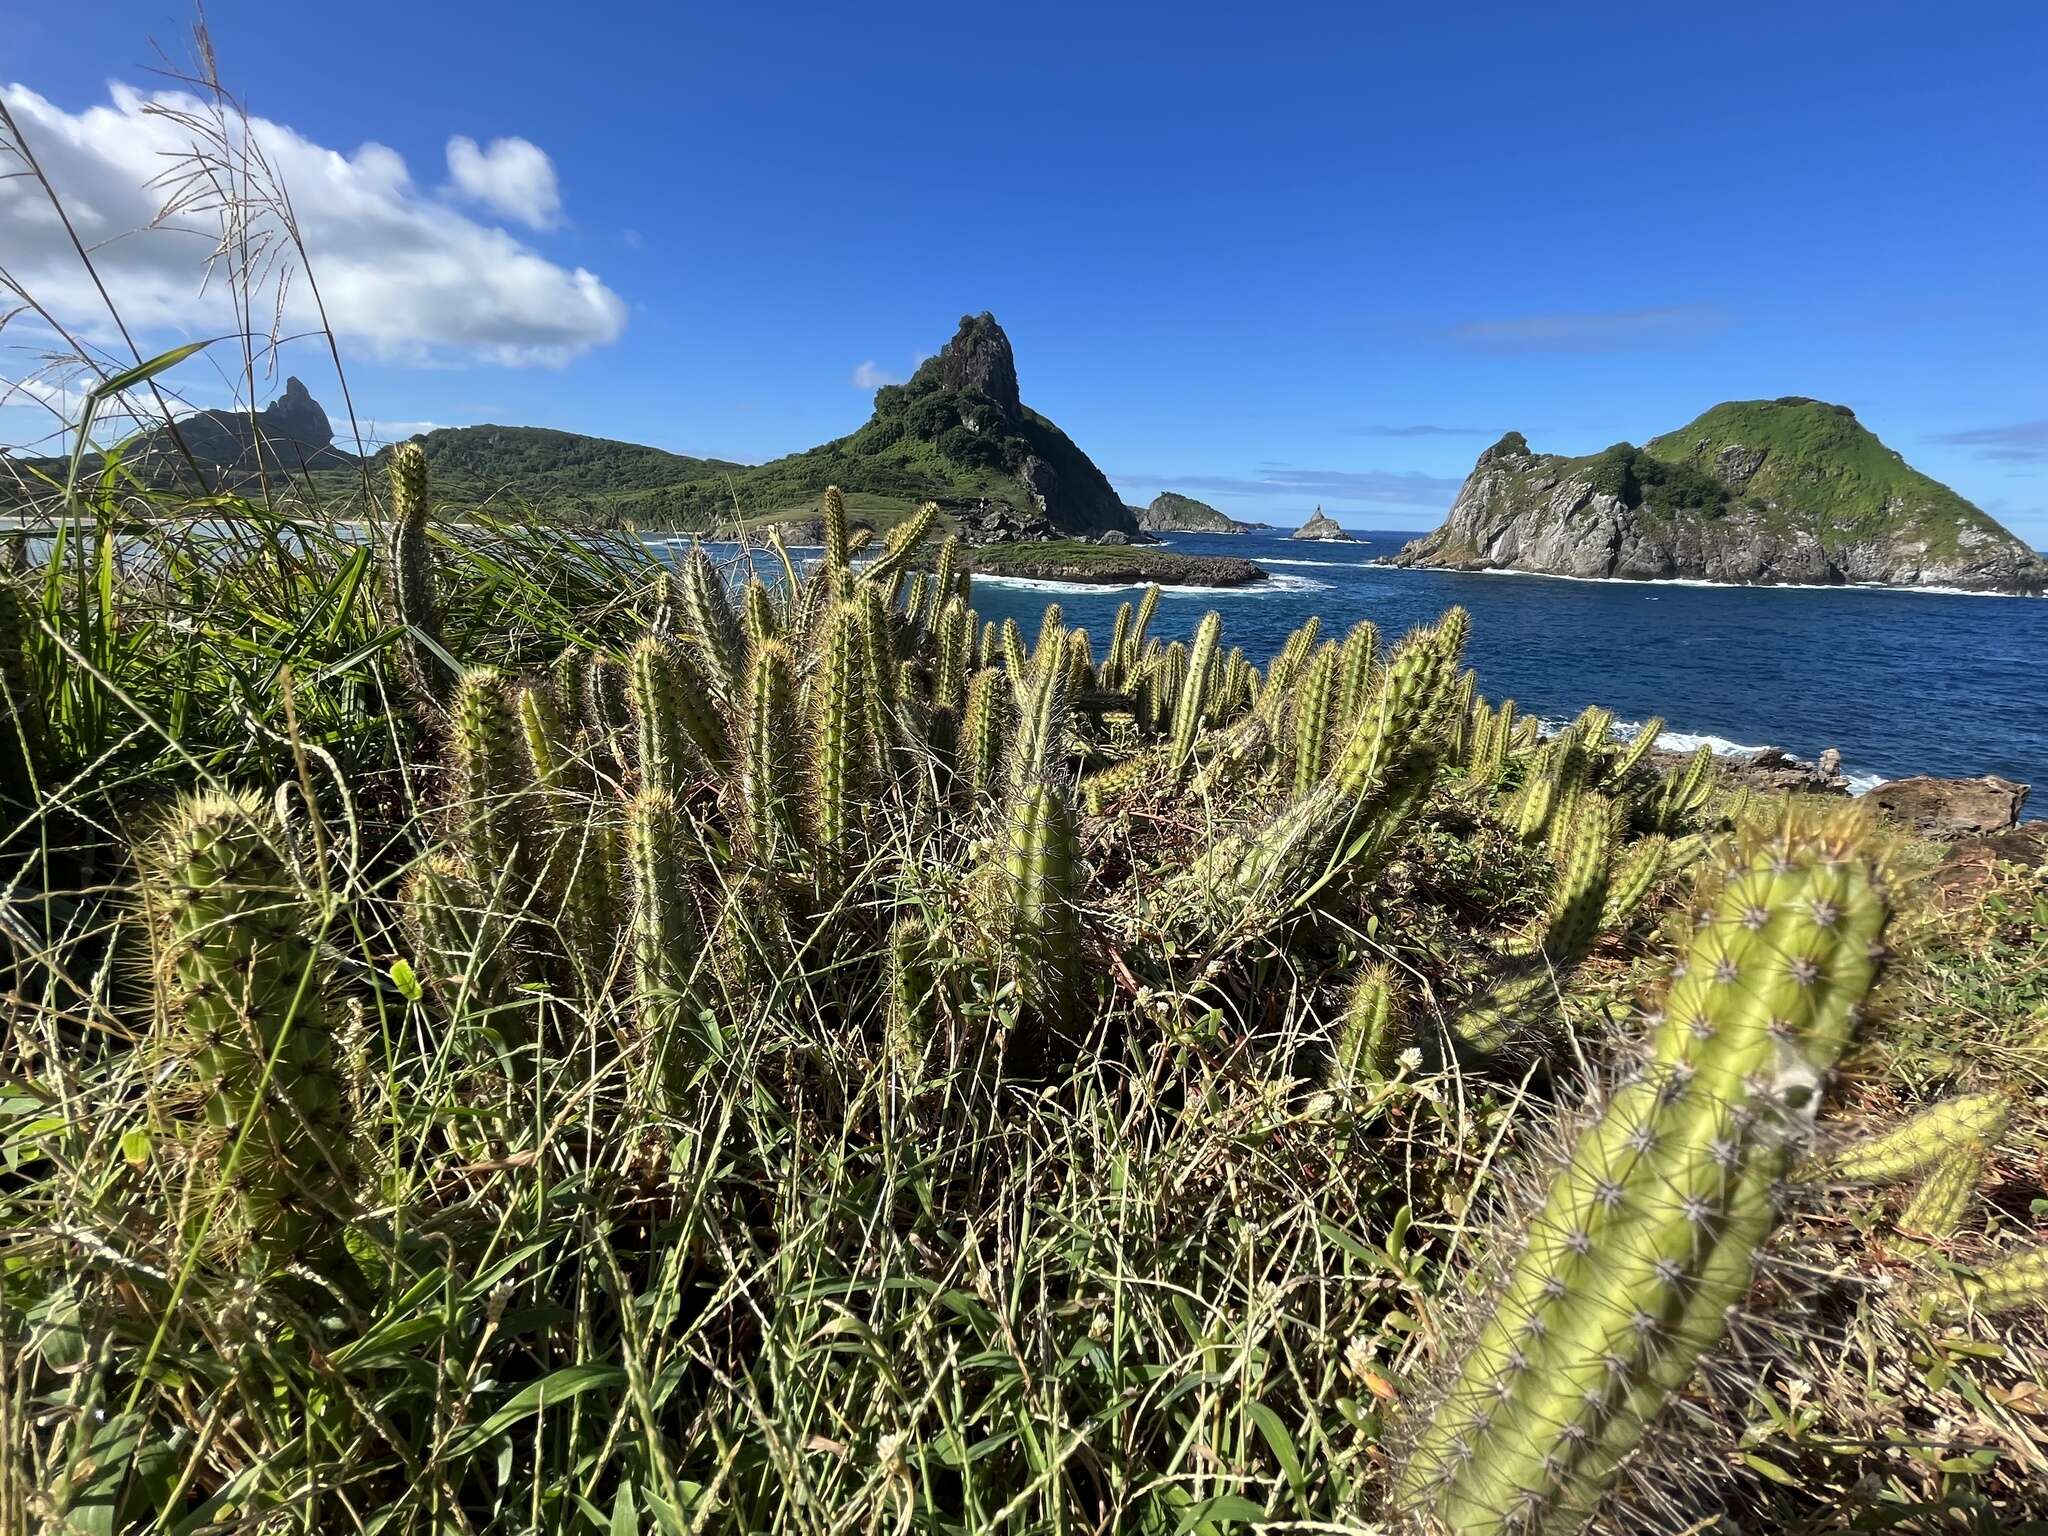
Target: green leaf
pixel 1282 1446
pixel 403 978
pixel 1226 1508
pixel 551 1390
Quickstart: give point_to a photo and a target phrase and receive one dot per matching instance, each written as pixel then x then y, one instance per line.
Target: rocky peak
pixel 978 360
pixel 296 415
pixel 1511 446
pixel 1322 526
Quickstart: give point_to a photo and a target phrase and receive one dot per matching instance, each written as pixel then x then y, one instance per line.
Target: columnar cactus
pixel 1684 794
pixel 1314 708
pixel 490 772
pixel 1650 1229
pixel 1354 672
pixel 714 632
pixel 1918 1144
pixel 1039 742
pixel 984 732
pixel 1112 671
pixel 655 692
pixel 2011 1284
pixel 758 619
pixel 1944 1197
pixel 902 544
pixel 951 579
pixel 461 941
pixel 410 576
pixel 837 555
pixel 667 936
pixel 1042 884
pixel 949 677
pixel 837 757
pixel 1194 685
pixel 239 981
pixel 913 999
pixel 878 680
pixel 770 786
pixel 1372 1032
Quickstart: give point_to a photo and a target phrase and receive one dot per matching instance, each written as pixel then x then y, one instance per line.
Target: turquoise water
pixel 1901 682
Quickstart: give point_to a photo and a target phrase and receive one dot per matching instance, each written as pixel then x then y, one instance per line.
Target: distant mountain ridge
pixel 1790 490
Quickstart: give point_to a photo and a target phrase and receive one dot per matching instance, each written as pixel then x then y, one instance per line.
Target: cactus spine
pixel 655 692
pixel 1649 1231
pixel 769 787
pixel 2010 1284
pixel 904 541
pixel 238 977
pixel 913 1001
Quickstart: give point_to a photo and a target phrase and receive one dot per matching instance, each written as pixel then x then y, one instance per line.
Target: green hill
pixel 1753 491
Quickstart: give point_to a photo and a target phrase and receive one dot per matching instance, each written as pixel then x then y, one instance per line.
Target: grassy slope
pixel 1824 469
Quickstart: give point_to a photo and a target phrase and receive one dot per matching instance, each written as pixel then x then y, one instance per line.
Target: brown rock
pixel 1953 807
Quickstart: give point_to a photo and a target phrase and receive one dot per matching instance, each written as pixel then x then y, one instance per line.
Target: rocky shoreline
pixel 1113 565
pixel 1931 807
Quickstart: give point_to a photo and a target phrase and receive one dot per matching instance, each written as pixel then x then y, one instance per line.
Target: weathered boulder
pixel 1953 807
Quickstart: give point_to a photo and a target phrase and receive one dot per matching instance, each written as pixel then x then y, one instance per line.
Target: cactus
pixel 1313 709
pixel 1372 1032
pixel 913 1000
pixel 837 553
pixel 1912 1148
pixel 1649 1231
pixel 903 543
pixel 24 744
pixel 714 632
pixel 1193 685
pixel 836 707
pixel 490 770
pixel 770 786
pixel 1051 648
pixel 1042 883
pixel 951 580
pixel 1039 743
pixel 1016 661
pixel 1103 789
pixel 1639 748
pixel 1080 662
pixel 665 931
pixel 238 977
pixel 1938 1206
pixel 1684 794
pixel 949 677
pixel 878 680
pixel 757 615
pixel 410 577
pixel 461 942
pixel 1112 670
pixel 2011 1284
pixel 1134 642
pixel 1354 673
pixel 984 731
pixel 655 693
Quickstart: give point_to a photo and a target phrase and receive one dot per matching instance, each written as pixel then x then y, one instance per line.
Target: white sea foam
pixel 1270 587
pixel 1720 746
pixel 1323 565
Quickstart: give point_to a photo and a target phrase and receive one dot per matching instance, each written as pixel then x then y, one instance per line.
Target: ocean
pixel 1902 682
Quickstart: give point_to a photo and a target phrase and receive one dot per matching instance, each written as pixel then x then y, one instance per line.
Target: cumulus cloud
pixel 402 275
pixel 510 176
pixel 872 375
pixel 1614 330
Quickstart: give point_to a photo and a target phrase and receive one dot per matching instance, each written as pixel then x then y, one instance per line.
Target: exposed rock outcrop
pixel 1321 526
pixel 1171 512
pixel 287 436
pixel 1755 492
pixel 1953 807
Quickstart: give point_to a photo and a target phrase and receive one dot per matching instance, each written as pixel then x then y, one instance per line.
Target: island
pixel 1753 492
pixel 1171 512
pixel 1323 526
pixel 1113 565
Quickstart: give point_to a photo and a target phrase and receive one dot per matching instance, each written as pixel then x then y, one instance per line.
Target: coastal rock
pixel 980 361
pixel 1953 807
pixel 1321 526
pixel 1753 492
pixel 289 435
pixel 1171 512
pixel 1769 770
pixel 1093 563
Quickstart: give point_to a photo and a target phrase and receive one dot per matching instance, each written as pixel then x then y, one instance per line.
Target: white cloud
pixel 872 375
pixel 512 176
pixel 402 276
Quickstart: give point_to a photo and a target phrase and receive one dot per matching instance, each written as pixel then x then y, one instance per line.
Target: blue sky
pixel 1273 257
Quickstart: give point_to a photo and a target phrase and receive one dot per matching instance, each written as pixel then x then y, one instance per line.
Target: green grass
pixel 769 1273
